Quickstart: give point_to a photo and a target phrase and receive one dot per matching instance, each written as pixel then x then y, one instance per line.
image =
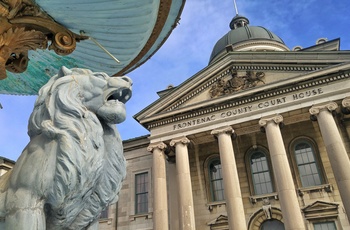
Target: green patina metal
pixel 37 74
pixel 131 30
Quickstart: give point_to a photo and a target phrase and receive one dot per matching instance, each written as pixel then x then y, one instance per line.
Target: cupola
pixel 243 37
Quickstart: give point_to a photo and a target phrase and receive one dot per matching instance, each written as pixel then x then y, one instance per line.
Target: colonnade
pixel 234 204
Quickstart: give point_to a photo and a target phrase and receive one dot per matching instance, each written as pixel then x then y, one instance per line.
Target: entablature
pixel 278 97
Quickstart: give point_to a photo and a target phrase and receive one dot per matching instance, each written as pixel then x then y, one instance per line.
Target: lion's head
pixel 78 110
pixel 82 89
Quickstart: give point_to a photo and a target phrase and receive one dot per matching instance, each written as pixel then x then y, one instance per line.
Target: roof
pixel 248 37
pixel 131 30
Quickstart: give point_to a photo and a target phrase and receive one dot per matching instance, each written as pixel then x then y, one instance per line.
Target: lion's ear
pixel 64 71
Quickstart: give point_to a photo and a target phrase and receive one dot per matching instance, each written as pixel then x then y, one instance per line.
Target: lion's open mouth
pixel 122 95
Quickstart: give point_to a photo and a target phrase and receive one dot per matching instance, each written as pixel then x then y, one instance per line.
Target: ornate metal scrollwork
pixel 236 83
pixel 23 27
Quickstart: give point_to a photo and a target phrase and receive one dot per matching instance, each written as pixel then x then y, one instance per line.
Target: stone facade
pixel 293 121
pixel 209 214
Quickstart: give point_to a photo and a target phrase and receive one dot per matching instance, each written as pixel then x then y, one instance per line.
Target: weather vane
pixel 234 1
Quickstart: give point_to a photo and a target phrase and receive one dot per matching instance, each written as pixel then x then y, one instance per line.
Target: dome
pixel 243 37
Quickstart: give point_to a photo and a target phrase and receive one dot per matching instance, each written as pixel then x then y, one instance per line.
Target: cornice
pixel 156 111
pixel 291 61
pixel 206 85
pixel 250 96
pixel 253 45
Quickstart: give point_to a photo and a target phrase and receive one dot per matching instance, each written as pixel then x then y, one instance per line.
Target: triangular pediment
pixel 320 209
pixel 242 74
pixel 220 220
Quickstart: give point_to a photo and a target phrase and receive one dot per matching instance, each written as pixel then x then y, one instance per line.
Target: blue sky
pixel 188 49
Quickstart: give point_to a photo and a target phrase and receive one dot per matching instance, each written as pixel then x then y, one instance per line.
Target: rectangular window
pixel 307 165
pixel 141 193
pixel 260 173
pixel 330 225
pixel 216 182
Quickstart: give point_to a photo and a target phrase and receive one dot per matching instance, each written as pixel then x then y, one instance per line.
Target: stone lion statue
pixel 73 166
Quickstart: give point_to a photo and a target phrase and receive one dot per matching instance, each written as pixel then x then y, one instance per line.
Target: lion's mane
pixel 89 169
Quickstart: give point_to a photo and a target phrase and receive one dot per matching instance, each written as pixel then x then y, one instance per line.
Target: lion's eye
pixel 101 76
pixel 99 80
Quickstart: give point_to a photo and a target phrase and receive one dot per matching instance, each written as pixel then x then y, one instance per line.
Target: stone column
pixel 160 200
pixel 337 154
pixel 285 186
pixel 186 209
pixel 233 195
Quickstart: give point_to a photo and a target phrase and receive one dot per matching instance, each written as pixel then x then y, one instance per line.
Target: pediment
pixel 320 209
pixel 220 220
pixel 240 76
pixel 235 80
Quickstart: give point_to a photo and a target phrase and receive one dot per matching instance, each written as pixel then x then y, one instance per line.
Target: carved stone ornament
pixel 346 106
pixel 277 119
pixel 226 129
pixel 316 109
pixel 267 208
pixel 236 83
pixel 159 145
pixel 182 140
pixel 73 165
pixel 23 27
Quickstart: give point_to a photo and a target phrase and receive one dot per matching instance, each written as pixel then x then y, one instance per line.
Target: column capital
pixel 346 102
pixel 346 105
pixel 184 140
pixel 316 109
pixel 157 145
pixel 277 119
pixel 225 129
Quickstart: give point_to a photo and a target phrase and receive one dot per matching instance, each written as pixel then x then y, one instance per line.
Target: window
pixel 141 193
pixel 325 226
pixel 307 164
pixel 216 182
pixel 260 172
pixel 272 225
pixel 260 221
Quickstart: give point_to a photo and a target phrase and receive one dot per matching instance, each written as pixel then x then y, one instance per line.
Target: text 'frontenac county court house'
pixel 256 140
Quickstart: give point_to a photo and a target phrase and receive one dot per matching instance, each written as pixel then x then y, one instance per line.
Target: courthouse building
pixel 258 139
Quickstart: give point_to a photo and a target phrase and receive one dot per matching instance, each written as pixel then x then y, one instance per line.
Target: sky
pixel 187 51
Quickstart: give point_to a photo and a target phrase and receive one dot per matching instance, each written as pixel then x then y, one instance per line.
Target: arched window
pixel 260 221
pixel 215 180
pixel 260 172
pixel 272 225
pixel 307 163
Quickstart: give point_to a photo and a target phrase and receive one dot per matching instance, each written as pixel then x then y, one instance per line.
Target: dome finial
pixel 234 2
pixel 238 20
